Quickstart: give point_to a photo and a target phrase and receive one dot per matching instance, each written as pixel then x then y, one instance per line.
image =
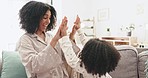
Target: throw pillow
pixel 12 66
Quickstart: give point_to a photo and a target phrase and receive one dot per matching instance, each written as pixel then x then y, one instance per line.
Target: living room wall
pixel 122 13
pixel 113 14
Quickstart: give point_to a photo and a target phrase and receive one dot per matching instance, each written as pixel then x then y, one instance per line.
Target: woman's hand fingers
pixel 64 21
pixel 64 27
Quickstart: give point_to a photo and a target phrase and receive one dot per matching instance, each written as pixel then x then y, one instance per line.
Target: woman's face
pixel 44 21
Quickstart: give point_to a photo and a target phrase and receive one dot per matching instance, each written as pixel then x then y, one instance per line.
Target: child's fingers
pixel 77 19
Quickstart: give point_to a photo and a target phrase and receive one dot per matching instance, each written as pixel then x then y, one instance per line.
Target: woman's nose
pixel 48 21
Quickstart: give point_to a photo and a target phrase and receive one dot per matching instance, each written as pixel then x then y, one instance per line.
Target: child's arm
pixel 82 37
pixel 68 51
pixel 69 54
pixel 76 28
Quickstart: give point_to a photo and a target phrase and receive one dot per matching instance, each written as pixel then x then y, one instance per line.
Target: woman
pixel 96 59
pixel 40 52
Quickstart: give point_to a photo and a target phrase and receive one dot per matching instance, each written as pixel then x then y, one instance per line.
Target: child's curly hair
pixel 99 57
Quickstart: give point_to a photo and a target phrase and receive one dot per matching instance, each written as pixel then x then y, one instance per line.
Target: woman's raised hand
pixel 63 27
pixel 62 31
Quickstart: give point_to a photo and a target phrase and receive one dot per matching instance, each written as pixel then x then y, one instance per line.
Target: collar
pixel 38 38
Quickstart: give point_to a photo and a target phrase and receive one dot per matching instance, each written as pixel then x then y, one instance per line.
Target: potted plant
pixel 130 29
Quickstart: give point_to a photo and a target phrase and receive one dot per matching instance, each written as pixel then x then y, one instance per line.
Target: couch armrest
pixel 143 56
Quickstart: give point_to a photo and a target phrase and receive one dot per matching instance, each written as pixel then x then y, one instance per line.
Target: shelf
pixel 120 40
pixel 89 27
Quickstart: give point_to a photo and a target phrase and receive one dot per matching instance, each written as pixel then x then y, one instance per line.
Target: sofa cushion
pixel 143 56
pixel 12 66
pixel 127 66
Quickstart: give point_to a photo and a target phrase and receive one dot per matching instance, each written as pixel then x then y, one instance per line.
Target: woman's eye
pixel 45 18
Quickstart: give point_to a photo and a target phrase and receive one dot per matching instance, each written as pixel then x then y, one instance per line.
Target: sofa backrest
pixel 128 64
pixel 143 57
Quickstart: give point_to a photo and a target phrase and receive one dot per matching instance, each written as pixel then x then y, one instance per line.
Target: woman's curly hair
pixel 99 57
pixel 31 14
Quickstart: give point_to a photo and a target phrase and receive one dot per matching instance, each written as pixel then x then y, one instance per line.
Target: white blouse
pixel 40 59
pixel 73 60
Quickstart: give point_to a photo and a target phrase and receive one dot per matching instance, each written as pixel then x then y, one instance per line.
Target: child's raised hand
pixel 75 27
pixel 77 23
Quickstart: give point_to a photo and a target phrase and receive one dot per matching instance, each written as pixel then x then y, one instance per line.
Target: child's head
pixel 99 57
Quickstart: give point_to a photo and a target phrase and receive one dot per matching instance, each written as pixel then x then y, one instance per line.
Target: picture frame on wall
pixel 140 9
pixel 103 14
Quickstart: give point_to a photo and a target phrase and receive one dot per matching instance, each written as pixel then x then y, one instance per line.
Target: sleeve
pixel 75 47
pixel 108 76
pixel 37 62
pixel 82 37
pixel 70 56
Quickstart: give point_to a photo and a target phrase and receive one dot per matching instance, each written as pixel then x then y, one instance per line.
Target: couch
pixel 131 64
